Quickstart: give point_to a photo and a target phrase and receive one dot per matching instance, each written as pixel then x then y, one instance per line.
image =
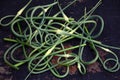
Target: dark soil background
pixel 109 10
